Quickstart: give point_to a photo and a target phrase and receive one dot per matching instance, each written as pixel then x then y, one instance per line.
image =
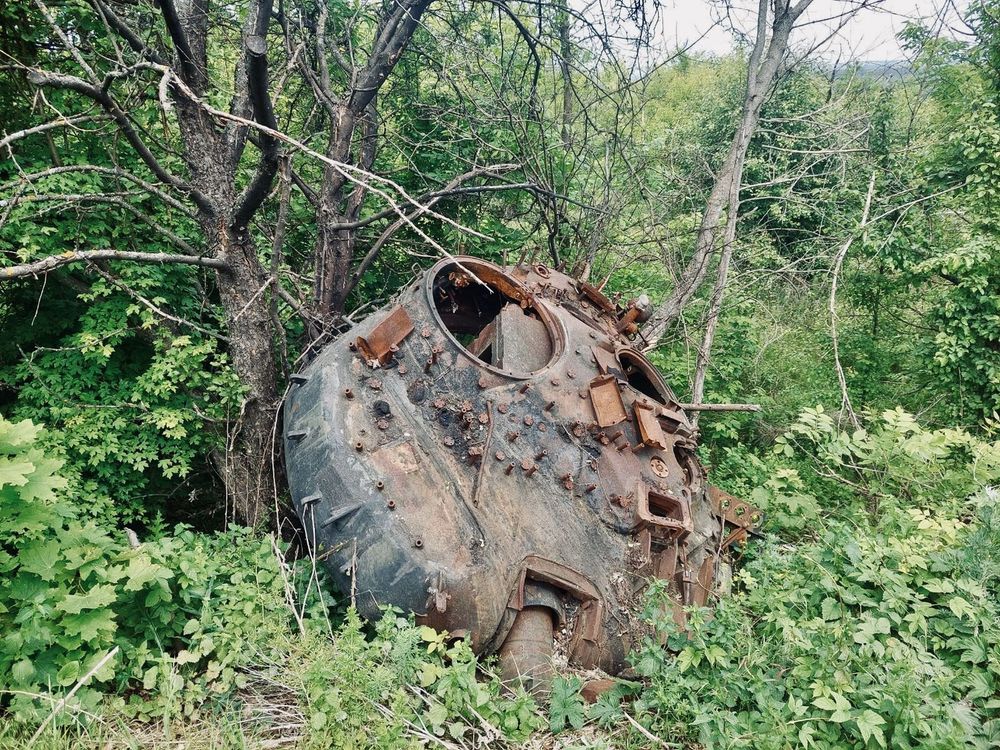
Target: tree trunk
pixel 715 305
pixel 248 464
pixel 339 208
pixel 763 72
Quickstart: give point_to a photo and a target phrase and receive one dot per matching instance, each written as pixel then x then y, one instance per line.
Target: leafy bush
pixel 182 610
pixel 883 630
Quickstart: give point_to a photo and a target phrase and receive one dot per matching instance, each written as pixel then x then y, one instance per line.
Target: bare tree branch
pixel 43 266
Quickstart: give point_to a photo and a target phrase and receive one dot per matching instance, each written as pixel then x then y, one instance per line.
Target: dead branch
pixel 43 266
pixel 837 265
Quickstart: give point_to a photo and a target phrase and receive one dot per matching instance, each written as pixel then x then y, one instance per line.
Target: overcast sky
pixel 871 35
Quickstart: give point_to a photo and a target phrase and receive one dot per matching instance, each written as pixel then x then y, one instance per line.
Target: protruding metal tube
pixel 526 654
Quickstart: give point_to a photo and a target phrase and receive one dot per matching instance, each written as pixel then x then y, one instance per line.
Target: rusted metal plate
pixel 520 341
pixel 607 401
pixel 674 422
pixel 484 340
pixel 650 432
pixel 380 344
pixel 597 298
pixel 734 510
pixel 606 361
pixel 702 588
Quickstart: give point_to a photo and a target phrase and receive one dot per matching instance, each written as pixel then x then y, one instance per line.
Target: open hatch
pixel 492 317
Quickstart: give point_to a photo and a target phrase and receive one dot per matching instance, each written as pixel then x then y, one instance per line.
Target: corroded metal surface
pixel 494 441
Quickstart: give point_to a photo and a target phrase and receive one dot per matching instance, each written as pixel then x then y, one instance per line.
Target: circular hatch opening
pixel 492 317
pixel 643 377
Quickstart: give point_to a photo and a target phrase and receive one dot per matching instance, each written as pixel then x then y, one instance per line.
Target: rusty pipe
pixel 526 654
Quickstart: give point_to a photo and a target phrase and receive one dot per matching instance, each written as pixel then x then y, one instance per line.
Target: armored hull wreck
pixel 493 453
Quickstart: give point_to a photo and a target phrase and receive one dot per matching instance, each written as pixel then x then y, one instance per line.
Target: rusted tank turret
pixel 493 453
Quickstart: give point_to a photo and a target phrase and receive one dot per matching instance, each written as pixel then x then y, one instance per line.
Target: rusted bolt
pixel 449 440
pixel 434 356
pixel 484 418
pixel 524 388
pixel 380 485
pixel 348 393
pixel 375 384
pixel 427 365
pixel 554 381
pixel 418 542
pixel 542 427
pixel 359 446
pixel 500 455
pixel 583 393
pixel 425 332
pixel 570 374
pixel 353 346
pixel 529 420
pixel 402 369
pixel 513 436
pixel 529 467
pixel 391 505
pixel 618 435
pixel 439 403
pixel 502 408
pixel 509 469
pixel 482 382
pixel 550 406
pixel 393 348
pixel 591 487
pixel 566 477
pixel 541 454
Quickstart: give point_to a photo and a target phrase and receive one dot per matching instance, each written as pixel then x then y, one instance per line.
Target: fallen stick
pixel 720 407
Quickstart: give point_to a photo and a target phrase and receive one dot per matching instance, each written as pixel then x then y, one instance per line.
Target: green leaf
pixel 835 703
pixel 141 570
pixel 69 673
pixel 14 437
pixel 960 607
pixel 23 671
pixel 99 596
pixel 90 625
pixel 566 707
pixel 870 724
pixel 40 558
pixel 15 472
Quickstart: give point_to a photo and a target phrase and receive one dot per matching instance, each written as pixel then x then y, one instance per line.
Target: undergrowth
pixel 868 618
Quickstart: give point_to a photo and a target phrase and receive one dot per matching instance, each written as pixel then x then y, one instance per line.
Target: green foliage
pixel 879 631
pixel 182 610
pixel 566 708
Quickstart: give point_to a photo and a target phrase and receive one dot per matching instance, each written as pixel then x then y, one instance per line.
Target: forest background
pixel 194 198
